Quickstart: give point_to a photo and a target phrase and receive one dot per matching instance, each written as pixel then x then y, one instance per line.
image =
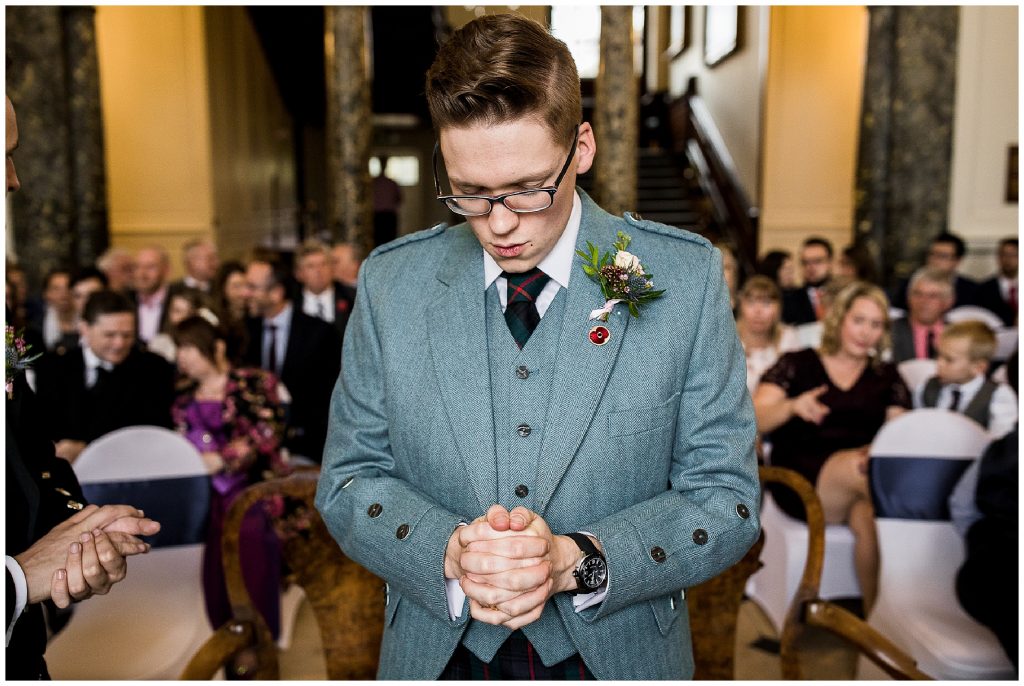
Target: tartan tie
pixel 521 311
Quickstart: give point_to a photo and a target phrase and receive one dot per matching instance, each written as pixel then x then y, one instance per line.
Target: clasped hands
pixel 509 564
pixel 85 554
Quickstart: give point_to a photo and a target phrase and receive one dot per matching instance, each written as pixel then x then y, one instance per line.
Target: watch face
pixel 593 571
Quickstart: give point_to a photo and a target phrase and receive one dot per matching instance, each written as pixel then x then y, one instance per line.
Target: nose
pixel 502 220
pixel 13 183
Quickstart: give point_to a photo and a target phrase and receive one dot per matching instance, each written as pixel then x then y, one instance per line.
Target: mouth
pixel 512 250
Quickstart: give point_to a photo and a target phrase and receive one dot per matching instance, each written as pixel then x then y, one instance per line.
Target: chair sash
pixel 914 487
pixel 180 504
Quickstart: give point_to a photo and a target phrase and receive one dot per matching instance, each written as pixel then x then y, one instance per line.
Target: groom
pixel 538 488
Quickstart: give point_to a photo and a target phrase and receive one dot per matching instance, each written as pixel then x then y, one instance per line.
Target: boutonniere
pixel 621 276
pixel 18 359
pixel 342 306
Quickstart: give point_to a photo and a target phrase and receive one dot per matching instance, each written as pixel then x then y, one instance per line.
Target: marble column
pixel 349 124
pixel 59 216
pixel 905 154
pixel 616 112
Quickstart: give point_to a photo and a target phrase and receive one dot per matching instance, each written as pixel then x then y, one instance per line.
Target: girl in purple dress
pixel 235 419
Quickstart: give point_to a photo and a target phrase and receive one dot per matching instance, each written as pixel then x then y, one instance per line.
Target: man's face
pixel 264 300
pixel 57 293
pixel 942 257
pixel 344 265
pixel 927 301
pixel 150 271
pixel 1008 260
pixel 201 262
pixel 12 143
pixel 314 272
pixel 816 263
pixel 513 156
pixel 81 291
pixel 111 337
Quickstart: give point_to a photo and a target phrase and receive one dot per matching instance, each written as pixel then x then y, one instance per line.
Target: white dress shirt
pixel 319 306
pixel 20 594
pixel 1002 411
pixel 558 265
pixel 92 363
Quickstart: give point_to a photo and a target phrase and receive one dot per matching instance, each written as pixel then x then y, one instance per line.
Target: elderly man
pixel 930 296
pixel 535 448
pixel 55 547
pixel 118 267
pixel 321 296
pixel 151 291
pixel 201 261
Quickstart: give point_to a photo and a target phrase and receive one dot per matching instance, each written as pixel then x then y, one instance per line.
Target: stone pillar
pixel 905 154
pixel 349 124
pixel 60 215
pixel 616 112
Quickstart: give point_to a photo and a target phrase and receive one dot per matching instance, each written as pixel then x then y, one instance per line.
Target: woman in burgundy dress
pixel 234 418
pixel 823 407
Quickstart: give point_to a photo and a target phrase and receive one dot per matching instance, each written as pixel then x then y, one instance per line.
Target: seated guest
pixel 802 305
pixel 823 407
pixel 345 260
pixel 855 263
pixel 151 268
pixel 84 283
pixel 965 350
pixel 758 324
pixel 119 268
pixel 321 296
pixel 106 383
pixel 304 352
pixel 235 419
pixel 916 335
pixel 57 326
pixel 809 335
pixel 777 265
pixel 985 510
pixel 945 253
pixel 730 271
pixel 230 304
pixel 199 256
pixel 182 304
pixel 999 294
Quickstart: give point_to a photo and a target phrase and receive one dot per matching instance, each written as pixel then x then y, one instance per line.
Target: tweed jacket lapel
pixel 581 368
pixel 458 346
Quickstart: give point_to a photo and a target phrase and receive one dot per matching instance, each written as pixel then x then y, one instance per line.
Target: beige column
pixel 349 124
pixel 616 111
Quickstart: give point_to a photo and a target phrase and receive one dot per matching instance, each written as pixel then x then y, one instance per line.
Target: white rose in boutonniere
pixel 621 278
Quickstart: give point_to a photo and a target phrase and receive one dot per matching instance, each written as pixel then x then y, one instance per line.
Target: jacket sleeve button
pixel 375 510
pixel 657 554
pixel 402 532
pixel 700 537
pixel 742 511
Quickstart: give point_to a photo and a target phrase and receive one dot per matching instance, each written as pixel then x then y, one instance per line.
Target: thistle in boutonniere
pixel 621 276
pixel 18 359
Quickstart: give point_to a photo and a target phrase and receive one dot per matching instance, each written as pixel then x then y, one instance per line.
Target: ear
pixel 586 148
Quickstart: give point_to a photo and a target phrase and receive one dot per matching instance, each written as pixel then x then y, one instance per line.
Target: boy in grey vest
pixel 960 385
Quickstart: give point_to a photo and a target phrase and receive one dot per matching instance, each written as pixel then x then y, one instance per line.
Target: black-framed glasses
pixel 521 202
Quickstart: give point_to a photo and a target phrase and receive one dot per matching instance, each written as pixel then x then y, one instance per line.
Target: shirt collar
pixel 558 263
pixel 92 360
pixel 154 300
pixel 971 386
pixel 283 318
pixel 326 295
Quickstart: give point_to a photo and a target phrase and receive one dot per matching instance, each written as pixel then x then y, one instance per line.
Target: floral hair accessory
pixel 18 359
pixel 621 276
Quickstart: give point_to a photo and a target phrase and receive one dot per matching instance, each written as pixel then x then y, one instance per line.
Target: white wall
pixel 731 89
pixel 986 123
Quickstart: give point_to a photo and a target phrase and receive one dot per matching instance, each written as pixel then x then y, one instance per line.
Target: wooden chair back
pixel 346 599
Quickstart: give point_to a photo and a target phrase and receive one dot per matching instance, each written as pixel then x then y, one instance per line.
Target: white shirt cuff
pixel 20 594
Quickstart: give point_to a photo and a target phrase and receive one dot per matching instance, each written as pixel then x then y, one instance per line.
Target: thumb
pixel 520 518
pixel 820 390
pixel 498 518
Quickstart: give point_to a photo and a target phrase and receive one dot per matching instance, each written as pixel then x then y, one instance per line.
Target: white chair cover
pixel 916 460
pixel 151 623
pixel 1006 342
pixel 917 370
pixel 968 312
pixel 784 556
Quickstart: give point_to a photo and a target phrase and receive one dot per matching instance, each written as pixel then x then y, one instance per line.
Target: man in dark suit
pixel 105 384
pixel 200 259
pixel 55 547
pixel 320 296
pixel 803 305
pixel 303 351
pixel 917 334
pixel 152 294
pixel 944 255
pixel 999 294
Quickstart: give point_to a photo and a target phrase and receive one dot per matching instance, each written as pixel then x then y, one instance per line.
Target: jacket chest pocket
pixel 642 420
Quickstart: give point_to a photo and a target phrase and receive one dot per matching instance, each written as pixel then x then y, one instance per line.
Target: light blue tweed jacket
pixel 649 442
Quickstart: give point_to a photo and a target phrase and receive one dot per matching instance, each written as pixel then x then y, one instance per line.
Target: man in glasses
pixel 536 484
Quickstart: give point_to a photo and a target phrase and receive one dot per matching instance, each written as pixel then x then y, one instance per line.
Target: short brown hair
pixel 760 286
pixel 502 67
pixel 837 312
pixel 312 246
pixel 981 341
pixel 199 333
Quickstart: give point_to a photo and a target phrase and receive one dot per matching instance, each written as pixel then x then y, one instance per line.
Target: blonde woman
pixel 759 325
pixel 823 407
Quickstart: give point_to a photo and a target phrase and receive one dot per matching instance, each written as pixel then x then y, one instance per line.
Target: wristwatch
pixel 591 571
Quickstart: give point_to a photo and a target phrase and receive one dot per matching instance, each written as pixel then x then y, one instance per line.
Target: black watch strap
pixel 584 543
